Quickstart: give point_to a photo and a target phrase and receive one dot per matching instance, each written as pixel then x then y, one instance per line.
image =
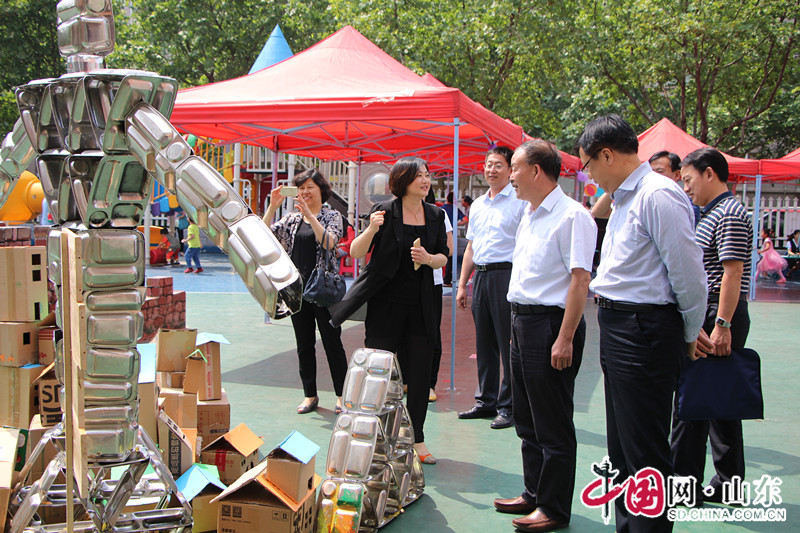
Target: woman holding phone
pixel 408 242
pixel 303 233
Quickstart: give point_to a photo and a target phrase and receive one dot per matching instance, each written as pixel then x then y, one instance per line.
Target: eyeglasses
pixel 583 168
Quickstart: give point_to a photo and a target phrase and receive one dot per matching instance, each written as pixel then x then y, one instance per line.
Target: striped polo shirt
pixel 725 232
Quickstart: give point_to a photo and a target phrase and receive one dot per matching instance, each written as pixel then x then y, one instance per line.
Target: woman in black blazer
pixel 399 297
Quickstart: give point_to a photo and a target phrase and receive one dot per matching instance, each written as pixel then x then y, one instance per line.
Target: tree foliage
pixel 727 72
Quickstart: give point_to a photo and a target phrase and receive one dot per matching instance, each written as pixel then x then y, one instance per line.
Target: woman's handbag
pixel 325 286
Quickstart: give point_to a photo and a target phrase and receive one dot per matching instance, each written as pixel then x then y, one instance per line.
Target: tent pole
pixel 352 176
pixel 237 168
pixel 756 233
pixel 454 288
pixel 356 219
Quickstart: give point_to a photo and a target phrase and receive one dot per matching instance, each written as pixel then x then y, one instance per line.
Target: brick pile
pixel 163 308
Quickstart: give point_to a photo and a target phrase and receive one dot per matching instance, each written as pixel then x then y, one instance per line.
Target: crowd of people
pixel 671 287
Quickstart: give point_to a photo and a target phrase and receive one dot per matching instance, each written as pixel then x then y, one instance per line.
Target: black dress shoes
pixel 502 421
pixel 537 521
pixel 516 505
pixel 477 412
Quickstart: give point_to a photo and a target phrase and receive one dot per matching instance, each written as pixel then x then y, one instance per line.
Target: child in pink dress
pixel 771 260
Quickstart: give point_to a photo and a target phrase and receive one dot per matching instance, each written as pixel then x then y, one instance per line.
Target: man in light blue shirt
pixel 652 296
pixel 493 222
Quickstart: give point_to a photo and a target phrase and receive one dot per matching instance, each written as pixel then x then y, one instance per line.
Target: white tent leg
pixel 454 288
pixel 756 233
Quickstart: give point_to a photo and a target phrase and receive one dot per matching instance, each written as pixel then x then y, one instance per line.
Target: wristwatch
pixel 722 322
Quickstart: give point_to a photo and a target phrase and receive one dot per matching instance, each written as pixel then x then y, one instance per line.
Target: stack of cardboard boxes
pixel 163 308
pixel 23 305
pixel 278 495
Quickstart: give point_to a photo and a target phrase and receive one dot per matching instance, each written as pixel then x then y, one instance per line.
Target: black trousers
pixel 436 358
pixel 492 315
pixel 640 355
pixel 401 328
pixel 305 335
pixel 727 444
pixel 543 408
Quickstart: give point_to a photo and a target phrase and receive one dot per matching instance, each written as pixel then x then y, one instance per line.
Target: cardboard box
pixel 19 343
pixel 35 434
pixel 17 395
pixel 49 403
pixel 253 503
pixel 291 465
pixel 199 485
pixel 180 406
pixel 23 283
pixel 148 391
pixel 177 446
pixel 213 418
pixel 9 444
pixel 172 348
pixel 234 453
pixel 49 335
pixel 170 380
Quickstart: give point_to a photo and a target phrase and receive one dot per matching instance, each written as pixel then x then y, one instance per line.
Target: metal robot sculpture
pixel 98 138
pixel 372 470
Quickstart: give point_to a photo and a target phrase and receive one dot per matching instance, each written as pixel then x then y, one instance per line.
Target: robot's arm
pixel 15 154
pixel 203 193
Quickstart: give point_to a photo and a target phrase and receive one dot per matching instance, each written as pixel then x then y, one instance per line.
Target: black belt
pixel 524 309
pixel 618 305
pixel 493 266
pixel 713 298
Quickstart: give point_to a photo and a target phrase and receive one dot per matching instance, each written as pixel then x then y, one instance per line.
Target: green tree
pixel 30 51
pixel 205 41
pixel 712 67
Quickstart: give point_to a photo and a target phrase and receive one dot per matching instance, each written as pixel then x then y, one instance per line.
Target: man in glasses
pixel 493 222
pixel 651 289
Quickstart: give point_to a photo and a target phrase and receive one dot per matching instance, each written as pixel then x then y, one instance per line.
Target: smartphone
pixel 288 191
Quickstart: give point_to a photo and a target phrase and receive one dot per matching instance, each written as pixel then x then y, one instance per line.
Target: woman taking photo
pixel 303 233
pixel 399 296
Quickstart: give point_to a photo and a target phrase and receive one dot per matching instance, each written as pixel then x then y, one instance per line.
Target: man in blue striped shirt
pixel 725 234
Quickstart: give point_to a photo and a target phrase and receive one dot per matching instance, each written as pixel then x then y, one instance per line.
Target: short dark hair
pixel 450 197
pixel 703 158
pixel 314 175
pixel 467 198
pixel 608 131
pixel 674 159
pixel 164 231
pixel 504 151
pixel 544 154
pixel 403 173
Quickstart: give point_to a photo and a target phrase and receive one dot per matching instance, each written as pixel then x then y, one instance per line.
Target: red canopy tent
pixel 664 135
pixel 346 99
pixel 786 168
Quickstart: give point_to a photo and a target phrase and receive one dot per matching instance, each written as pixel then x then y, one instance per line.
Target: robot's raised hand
pixel 217 208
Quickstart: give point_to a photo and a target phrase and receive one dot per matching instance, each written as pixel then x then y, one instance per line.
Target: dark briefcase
pixel 722 388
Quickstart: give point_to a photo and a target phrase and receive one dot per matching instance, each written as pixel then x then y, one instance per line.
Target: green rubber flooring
pixel 476 463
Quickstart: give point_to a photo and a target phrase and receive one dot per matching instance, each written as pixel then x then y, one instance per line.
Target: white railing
pixel 781 213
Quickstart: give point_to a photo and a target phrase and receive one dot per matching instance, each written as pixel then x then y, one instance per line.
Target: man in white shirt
pixel 494 218
pixel 549 283
pixel 652 291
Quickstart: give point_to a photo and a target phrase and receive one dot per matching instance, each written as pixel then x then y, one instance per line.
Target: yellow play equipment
pixel 25 201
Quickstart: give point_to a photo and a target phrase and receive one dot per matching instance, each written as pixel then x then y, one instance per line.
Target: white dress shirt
pixel 493 224
pixel 438 275
pixel 649 253
pixel 552 240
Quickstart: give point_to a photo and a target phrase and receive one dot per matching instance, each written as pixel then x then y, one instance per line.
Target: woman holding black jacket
pixel 399 297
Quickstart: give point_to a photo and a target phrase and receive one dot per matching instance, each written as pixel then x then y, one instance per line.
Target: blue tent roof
pixel 275 50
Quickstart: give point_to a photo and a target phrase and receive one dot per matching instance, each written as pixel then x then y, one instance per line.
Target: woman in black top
pixel 302 233
pixel 399 297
